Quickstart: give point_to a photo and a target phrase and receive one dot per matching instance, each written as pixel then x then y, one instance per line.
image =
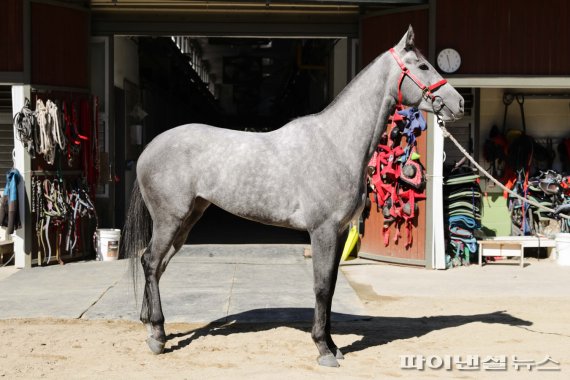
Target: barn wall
pixel 380 33
pixel 59 46
pixel 11 36
pixel 507 37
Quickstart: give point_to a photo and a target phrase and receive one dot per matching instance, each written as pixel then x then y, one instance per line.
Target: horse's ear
pixel 407 42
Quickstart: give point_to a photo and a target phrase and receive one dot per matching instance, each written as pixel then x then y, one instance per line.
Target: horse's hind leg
pixel 168 238
pixel 326 246
pixel 163 234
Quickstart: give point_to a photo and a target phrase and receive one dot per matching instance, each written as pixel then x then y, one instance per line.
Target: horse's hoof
pixel 328 361
pixel 339 354
pixel 155 346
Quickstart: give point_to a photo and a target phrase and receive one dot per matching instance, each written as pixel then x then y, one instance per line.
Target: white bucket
pixel 108 240
pixel 563 249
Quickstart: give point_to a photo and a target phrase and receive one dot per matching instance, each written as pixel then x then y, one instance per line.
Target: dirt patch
pixel 530 329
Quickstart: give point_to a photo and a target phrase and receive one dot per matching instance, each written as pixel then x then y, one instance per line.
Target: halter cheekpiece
pixel 427 91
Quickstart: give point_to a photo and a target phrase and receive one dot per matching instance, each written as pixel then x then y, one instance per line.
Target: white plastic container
pixel 563 249
pixel 108 241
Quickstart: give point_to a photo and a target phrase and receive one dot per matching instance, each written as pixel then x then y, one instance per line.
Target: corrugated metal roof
pixel 302 6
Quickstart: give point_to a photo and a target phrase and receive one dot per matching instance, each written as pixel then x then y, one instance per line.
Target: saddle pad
pixel 463 179
pixel 462 204
pixel 464 193
pixel 464 221
pixel 465 212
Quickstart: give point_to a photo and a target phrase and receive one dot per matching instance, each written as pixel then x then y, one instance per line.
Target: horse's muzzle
pixel 449 114
pixel 461 109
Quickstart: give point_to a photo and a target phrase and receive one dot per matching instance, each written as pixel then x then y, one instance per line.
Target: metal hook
pixel 508 99
pixel 440 104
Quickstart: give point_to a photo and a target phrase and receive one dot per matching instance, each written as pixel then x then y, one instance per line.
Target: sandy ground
pixel 531 329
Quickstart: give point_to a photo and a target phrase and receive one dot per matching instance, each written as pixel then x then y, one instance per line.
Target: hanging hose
pixel 9 260
pixel 446 133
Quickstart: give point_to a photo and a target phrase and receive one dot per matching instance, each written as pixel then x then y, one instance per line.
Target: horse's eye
pixel 423 66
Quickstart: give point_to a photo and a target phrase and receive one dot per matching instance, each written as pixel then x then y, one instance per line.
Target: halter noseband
pixel 427 91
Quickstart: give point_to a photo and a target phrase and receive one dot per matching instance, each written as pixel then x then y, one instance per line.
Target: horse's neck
pixel 357 118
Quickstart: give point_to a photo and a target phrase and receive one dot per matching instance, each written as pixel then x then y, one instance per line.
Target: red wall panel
pixel 380 33
pixel 507 37
pixel 60 43
pixel 373 238
pixel 11 36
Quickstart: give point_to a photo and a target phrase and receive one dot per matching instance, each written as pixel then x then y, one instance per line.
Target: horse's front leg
pixel 334 275
pixel 326 246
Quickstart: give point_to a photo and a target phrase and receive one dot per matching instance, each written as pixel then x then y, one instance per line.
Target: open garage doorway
pixel 250 84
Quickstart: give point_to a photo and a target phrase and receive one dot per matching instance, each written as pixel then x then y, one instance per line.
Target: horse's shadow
pixel 375 331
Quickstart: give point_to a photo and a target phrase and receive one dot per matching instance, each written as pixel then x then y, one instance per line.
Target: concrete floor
pixel 541 278
pixel 270 283
pixel 266 283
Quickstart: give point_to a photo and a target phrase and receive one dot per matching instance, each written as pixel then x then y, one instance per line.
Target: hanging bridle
pixel 427 91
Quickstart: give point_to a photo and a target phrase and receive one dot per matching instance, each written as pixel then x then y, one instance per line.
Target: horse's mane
pixel 355 79
pixel 350 84
pixel 353 82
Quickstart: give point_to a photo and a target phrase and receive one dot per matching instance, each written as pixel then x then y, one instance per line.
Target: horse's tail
pixel 137 232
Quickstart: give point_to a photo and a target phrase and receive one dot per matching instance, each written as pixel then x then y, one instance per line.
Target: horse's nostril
pixel 461 104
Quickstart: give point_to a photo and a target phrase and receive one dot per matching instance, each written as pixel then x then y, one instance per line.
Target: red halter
pixel 427 91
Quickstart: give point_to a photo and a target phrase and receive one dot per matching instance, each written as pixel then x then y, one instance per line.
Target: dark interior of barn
pixel 249 84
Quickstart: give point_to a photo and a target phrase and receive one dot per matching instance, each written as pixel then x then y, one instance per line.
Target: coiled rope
pixel 54 121
pixel 25 125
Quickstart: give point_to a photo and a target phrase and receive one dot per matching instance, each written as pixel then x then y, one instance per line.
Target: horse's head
pixel 419 84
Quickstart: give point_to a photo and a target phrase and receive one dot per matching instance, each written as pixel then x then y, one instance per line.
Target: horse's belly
pixel 276 214
pixel 259 201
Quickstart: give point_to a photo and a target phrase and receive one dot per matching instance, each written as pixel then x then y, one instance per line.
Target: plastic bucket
pixel 108 240
pixel 563 249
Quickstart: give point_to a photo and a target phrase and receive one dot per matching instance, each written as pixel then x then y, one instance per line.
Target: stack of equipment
pixel 462 215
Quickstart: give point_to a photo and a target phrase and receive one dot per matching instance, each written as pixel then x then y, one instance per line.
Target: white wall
pixel 126 61
pixel 22 237
pixel 544 117
pixel 340 66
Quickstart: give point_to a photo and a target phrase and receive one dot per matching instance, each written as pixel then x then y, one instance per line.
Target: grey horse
pixel 308 175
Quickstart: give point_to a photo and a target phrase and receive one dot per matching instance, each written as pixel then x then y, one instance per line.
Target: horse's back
pixel 201 145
